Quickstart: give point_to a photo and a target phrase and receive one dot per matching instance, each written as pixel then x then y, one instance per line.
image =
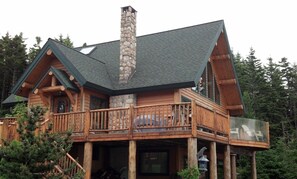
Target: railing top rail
pixel 45 121
pixel 73 160
pixel 7 118
pixel 166 104
pixel 108 109
pixel 67 113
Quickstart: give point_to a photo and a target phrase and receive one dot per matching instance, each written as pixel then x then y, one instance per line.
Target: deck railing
pixel 162 117
pixel 246 129
pixel 72 121
pixel 114 119
pixel 192 118
pixel 212 121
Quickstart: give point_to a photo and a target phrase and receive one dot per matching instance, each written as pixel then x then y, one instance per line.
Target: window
pixel 87 50
pixel 98 103
pixel 185 99
pixel 207 85
pixel 154 163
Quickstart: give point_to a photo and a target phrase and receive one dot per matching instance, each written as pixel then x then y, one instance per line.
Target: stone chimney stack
pixel 127 44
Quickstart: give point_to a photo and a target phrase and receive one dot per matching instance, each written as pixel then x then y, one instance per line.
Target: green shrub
pixel 189 173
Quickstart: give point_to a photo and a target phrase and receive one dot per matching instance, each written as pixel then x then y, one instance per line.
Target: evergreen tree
pixel 35 154
pixel 66 41
pixel 275 98
pixel 12 61
pixel 33 51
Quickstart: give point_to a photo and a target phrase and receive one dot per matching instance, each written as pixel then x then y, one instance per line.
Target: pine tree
pixel 33 155
pixel 33 51
pixel 66 41
pixel 12 60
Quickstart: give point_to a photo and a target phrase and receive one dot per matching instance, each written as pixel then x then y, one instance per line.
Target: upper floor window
pixel 207 85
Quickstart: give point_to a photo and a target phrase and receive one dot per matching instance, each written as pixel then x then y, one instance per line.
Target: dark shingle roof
pixel 87 69
pixel 14 99
pixel 172 58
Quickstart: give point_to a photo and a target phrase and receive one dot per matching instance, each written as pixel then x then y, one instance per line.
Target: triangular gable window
pixel 207 85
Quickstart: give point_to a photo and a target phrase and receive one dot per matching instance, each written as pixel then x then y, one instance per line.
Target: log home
pixel 144 106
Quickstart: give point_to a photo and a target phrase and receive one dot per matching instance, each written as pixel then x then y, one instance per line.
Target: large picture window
pixel 154 162
pixel 207 85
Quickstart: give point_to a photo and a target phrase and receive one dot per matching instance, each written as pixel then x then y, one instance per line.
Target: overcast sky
pixel 269 26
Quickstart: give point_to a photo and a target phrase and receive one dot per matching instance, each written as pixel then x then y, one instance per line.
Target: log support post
pixel 132 160
pixel 253 165
pixel 213 160
pixel 192 152
pixel 233 166
pixel 227 165
pixel 88 151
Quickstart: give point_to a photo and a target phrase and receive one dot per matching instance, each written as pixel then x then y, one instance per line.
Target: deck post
pixel 192 152
pixel 194 118
pixel 253 165
pixel 227 165
pixel 132 160
pixel 131 116
pixel 88 151
pixel 213 160
pixel 87 124
pixel 233 166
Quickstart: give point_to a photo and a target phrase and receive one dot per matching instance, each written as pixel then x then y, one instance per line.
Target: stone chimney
pixel 127 44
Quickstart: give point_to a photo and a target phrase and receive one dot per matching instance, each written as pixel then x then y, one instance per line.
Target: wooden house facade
pixel 144 106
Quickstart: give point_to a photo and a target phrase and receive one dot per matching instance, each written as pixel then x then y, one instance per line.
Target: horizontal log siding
pixel 34 100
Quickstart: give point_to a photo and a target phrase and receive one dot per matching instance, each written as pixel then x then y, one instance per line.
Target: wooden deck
pixel 167 121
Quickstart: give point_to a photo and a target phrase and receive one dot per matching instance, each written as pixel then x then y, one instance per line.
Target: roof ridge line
pixel 73 48
pixel 101 43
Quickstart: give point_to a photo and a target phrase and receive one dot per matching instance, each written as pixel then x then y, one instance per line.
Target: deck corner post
pixel 132 160
pixel 88 151
pixel 194 118
pixel 227 164
pixel 87 123
pixel 192 152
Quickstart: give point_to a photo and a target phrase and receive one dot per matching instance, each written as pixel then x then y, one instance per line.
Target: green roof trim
pixel 62 78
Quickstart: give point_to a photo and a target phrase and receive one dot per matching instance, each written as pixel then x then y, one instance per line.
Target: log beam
pixel 227 82
pixel 213 161
pixel 53 88
pixel 88 151
pixel 71 78
pixel 54 81
pixel 220 57
pixel 132 160
pixel 70 96
pixel 234 107
pixel 192 152
pixel 27 85
pixel 49 52
pixel 227 165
